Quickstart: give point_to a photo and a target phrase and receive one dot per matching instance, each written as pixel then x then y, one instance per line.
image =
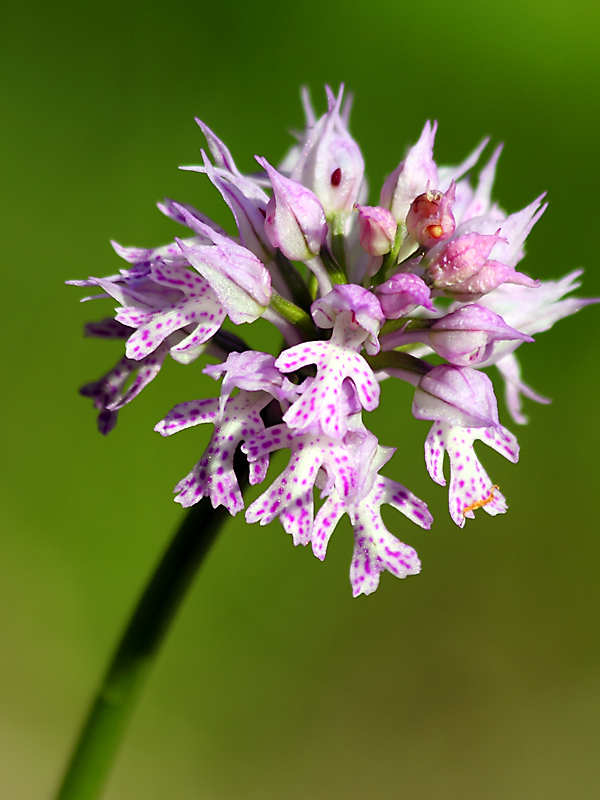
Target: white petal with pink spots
pixel 290 496
pixel 321 404
pixel 469 482
pixel 214 475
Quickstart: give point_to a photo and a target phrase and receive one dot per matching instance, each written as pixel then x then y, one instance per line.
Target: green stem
pixel 98 742
pixel 294 314
pixel 334 271
pixel 338 242
pixel 295 281
pixel 393 359
pixel 390 260
pixel 392 325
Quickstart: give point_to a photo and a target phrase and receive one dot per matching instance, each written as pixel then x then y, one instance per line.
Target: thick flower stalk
pixel 363 295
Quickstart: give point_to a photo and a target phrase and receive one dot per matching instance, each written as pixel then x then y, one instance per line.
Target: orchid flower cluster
pixel 360 294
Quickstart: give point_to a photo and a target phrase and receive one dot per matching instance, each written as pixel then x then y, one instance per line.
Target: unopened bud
pixel 458 396
pixel 295 220
pixel 461 258
pixel 402 293
pixel 331 164
pixel 376 229
pixel 463 269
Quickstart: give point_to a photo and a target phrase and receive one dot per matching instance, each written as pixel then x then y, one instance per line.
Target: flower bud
pixel 430 219
pixel 240 281
pixel 470 334
pixel 402 293
pixel 461 258
pixel 457 395
pixel 463 269
pixel 331 163
pixel 376 229
pixel 295 221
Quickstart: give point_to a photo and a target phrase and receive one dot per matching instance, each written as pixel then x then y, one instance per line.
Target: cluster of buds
pixel 360 294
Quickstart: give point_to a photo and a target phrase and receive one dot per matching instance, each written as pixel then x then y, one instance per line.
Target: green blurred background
pixel 478 679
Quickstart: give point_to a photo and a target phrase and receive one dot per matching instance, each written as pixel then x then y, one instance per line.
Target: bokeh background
pixel 478 679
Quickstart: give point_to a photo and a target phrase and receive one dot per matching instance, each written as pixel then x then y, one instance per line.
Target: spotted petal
pixel 199 312
pixel 375 549
pixel 214 475
pixel 469 482
pixel 290 497
pixel 321 404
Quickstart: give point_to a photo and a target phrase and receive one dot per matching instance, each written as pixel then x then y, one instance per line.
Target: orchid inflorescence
pixel 360 294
